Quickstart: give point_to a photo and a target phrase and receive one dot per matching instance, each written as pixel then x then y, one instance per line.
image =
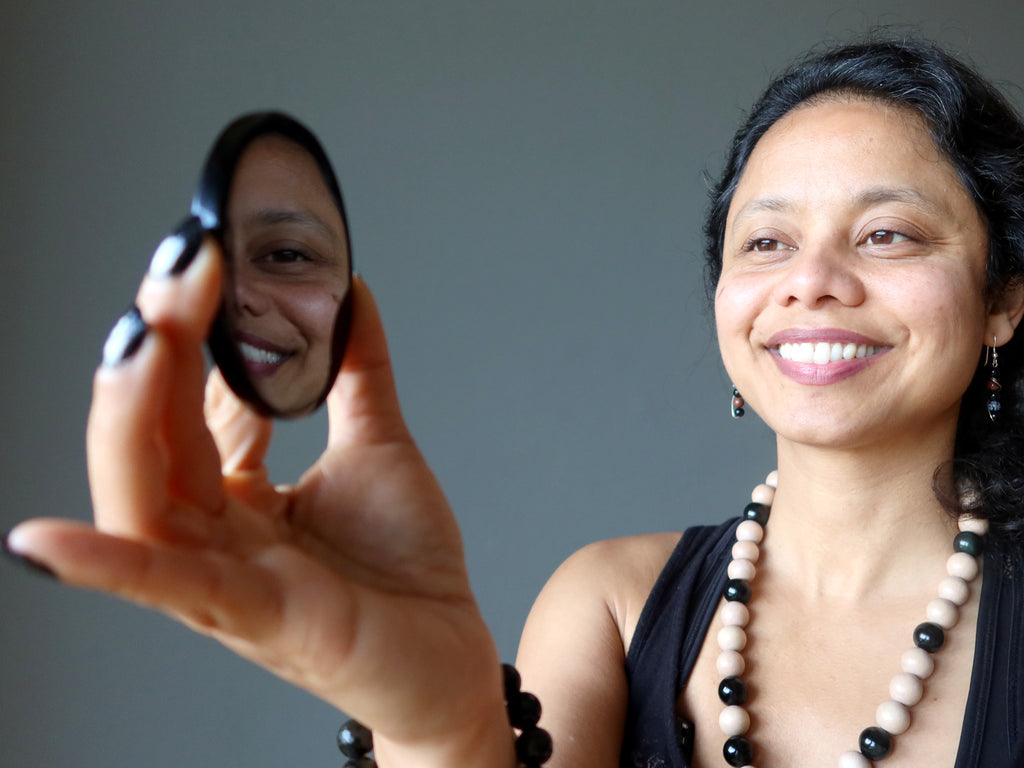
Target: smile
pixel 253 354
pixel 824 352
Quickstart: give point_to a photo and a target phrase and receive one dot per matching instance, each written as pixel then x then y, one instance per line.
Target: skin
pixel 289 272
pixel 352 584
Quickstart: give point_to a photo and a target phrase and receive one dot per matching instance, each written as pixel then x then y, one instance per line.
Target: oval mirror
pixel 268 193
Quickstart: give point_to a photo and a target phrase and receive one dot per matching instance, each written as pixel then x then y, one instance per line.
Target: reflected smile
pixel 253 354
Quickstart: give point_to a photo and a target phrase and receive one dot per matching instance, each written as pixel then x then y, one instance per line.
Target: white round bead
pixel 917 662
pixel 734 721
pixel 741 569
pixel 749 530
pixel 853 760
pixel 943 613
pixel 735 614
pixel 963 565
pixel 954 589
pixel 772 479
pixel 745 550
pixel 973 524
pixel 730 664
pixel 893 717
pixel 732 638
pixel 906 689
pixel 763 494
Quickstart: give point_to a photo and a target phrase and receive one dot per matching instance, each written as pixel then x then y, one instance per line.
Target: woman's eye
pixel 765 245
pixel 285 256
pixel 886 237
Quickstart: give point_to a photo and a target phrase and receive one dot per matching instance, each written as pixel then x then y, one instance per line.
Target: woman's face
pixel 288 257
pixel 851 304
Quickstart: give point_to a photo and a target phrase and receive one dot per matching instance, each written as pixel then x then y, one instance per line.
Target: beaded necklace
pixel 905 689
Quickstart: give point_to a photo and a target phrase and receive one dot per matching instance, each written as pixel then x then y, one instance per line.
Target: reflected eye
pixel 886 237
pixel 285 256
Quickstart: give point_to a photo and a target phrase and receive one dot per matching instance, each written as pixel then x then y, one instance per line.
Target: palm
pixel 351 583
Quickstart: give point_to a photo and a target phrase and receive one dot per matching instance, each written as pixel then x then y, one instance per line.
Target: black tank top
pixel 679 611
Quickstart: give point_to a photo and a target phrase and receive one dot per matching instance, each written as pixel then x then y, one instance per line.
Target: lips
pixel 261 357
pixel 823 356
pixel 823 352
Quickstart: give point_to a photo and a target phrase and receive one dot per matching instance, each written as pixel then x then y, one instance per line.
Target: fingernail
pixel 125 338
pixel 30 565
pixel 178 249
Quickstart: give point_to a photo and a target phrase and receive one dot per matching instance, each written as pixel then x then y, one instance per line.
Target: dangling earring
pixel 994 404
pixel 737 403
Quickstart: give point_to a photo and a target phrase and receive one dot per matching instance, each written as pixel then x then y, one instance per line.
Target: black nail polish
pixel 178 249
pixel 125 338
pixel 30 565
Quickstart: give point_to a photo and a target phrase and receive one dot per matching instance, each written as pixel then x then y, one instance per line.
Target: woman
pixel 865 247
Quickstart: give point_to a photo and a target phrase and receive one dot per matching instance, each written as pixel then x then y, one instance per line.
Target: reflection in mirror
pixel 270 196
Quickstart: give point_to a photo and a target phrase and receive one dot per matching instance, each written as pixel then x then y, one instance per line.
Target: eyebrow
pixel 302 217
pixel 870 196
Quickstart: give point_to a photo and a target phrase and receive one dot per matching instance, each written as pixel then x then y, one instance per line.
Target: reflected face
pixel 288 271
pixel 851 307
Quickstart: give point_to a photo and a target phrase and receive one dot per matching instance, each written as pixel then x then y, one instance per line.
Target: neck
pixel 848 524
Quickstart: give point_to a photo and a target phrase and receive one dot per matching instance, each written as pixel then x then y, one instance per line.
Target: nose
pixel 246 295
pixel 819 273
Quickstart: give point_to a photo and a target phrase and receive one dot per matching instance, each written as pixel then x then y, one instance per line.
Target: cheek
pixel 312 309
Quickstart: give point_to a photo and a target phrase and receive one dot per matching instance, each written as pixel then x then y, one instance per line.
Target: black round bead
pixel 512 680
pixel 533 747
pixel 737 413
pixel 757 512
pixel 875 743
pixel 738 751
pixel 354 739
pixel 523 710
pixel 969 542
pixel 929 637
pixel 737 590
pixel 732 690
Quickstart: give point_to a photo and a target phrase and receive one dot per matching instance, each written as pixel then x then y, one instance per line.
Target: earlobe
pixel 1006 313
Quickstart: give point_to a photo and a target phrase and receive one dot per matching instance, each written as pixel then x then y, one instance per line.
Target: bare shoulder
pixel 620 573
pixel 573 649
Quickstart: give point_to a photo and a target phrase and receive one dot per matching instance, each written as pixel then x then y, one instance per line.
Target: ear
pixel 1006 313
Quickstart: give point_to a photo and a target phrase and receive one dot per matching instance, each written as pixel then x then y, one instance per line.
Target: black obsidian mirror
pixel 270 196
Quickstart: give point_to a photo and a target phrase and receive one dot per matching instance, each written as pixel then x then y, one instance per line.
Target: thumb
pixel 363 404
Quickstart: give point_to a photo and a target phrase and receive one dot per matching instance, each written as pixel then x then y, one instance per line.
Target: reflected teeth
pixel 823 352
pixel 257 355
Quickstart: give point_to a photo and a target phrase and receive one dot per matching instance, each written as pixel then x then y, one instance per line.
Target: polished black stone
pixel 732 691
pixel 354 739
pixel 533 747
pixel 523 710
pixel 875 743
pixel 737 590
pixel 738 751
pixel 969 542
pixel 929 637
pixel 759 513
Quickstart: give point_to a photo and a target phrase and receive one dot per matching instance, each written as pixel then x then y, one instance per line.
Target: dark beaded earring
pixel 994 404
pixel 737 404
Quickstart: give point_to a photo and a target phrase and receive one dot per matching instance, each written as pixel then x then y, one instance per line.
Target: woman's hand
pixel 350 584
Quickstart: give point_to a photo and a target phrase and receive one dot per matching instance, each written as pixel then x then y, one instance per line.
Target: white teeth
pixel 257 355
pixel 823 352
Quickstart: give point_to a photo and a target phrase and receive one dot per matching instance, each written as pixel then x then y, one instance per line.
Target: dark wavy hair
pixel 982 136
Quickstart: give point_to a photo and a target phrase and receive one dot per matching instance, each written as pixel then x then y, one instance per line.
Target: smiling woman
pixel 865 247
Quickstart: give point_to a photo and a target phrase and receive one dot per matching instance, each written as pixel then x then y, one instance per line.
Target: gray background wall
pixel 525 192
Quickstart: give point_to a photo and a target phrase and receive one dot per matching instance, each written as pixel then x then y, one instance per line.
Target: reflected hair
pixel 982 136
